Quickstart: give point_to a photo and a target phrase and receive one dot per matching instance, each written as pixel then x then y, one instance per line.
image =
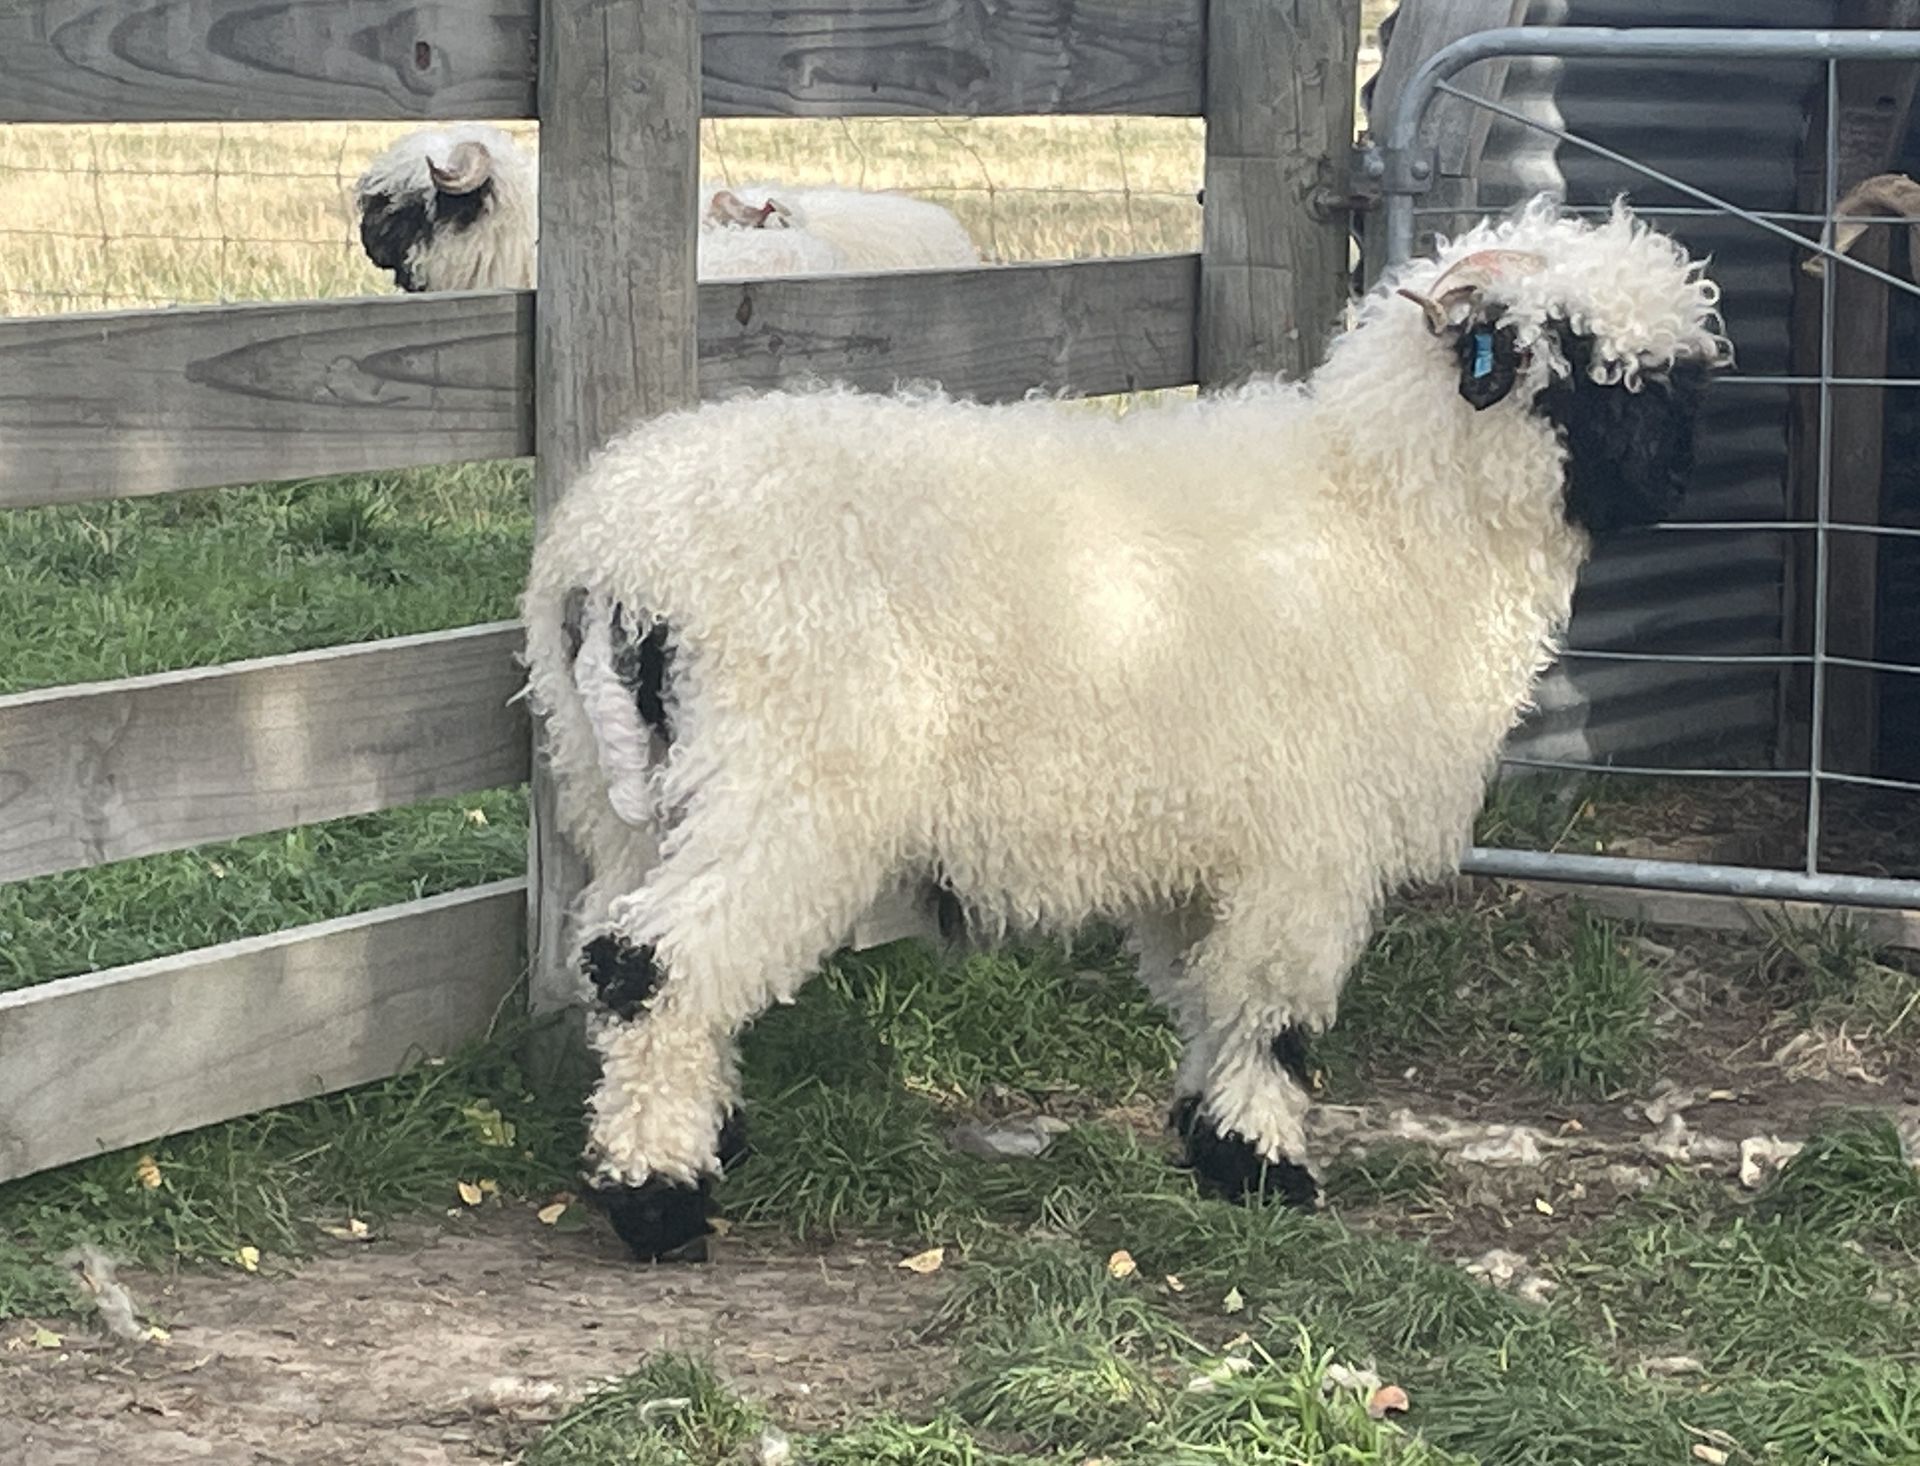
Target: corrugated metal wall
pixel 1735 130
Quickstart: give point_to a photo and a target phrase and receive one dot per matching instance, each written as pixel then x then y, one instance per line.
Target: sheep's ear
pixel 1489 363
pixel 728 210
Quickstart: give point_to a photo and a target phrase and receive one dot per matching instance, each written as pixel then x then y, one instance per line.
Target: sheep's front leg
pixel 1243 1093
pixel 738 914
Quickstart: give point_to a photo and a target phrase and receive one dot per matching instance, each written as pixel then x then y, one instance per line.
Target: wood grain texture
pixel 264 60
pixel 111 770
pixel 129 403
pixel 979 58
pixel 617 331
pixel 1275 245
pixel 125 403
pixel 1092 326
pixel 70 61
pixel 115 1058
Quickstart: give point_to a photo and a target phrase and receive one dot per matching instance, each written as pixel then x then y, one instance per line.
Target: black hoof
pixel 659 1220
pixel 1229 1165
pixel 662 1221
pixel 624 976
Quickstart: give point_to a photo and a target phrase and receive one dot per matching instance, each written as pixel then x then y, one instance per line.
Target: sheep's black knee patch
pixel 1229 1165
pixel 624 976
pixel 644 666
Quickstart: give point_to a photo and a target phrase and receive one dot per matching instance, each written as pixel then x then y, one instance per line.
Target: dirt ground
pixel 452 1344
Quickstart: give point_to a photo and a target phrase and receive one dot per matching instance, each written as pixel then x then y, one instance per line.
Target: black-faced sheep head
pixel 1608 332
pixel 451 209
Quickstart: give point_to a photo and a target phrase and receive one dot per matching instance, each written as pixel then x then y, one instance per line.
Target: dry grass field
pixel 127 216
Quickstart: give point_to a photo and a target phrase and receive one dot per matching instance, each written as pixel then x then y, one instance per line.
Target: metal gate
pixel 1406 173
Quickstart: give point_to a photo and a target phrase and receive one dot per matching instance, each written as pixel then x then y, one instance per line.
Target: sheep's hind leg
pixel 738 914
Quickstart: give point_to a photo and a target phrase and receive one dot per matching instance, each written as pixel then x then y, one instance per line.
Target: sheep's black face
pixel 1629 453
pixel 390 227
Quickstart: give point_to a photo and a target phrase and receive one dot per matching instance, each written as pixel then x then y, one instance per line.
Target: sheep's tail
pixel 600 691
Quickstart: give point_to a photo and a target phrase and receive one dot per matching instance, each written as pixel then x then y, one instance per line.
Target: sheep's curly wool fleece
pixel 1263 646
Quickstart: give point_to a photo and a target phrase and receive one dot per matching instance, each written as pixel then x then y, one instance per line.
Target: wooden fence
pixel 153 402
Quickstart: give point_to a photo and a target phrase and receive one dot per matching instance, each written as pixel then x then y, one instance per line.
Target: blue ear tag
pixel 1482 354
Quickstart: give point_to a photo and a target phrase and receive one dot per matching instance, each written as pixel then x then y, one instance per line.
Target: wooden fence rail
pixel 362 60
pixel 119 404
pixel 112 770
pixel 118 1057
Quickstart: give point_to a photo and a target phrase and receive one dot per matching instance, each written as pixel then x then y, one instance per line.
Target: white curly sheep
pixel 457 208
pixel 1227 672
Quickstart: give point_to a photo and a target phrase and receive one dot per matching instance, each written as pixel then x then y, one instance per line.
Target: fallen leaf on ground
pixel 1543 1206
pixel 469 1193
pixel 1122 1265
pixel 1712 1455
pixel 925 1262
pixel 354 1231
pixel 719 1226
pixel 44 1338
pixel 248 1258
pixel 147 1172
pixel 1233 1302
pixel 553 1213
pixel 1672 1364
pixel 1386 1398
pixel 1018 1139
pixel 1346 1377
pixel 1173 1282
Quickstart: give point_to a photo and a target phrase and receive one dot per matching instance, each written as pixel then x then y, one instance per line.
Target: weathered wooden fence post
pixel 1274 257
pixel 614 342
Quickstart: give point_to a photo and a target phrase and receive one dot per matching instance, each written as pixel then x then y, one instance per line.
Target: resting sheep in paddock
pixel 458 209
pixel 1227 672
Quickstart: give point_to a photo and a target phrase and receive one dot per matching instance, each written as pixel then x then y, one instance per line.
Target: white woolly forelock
pixel 1636 291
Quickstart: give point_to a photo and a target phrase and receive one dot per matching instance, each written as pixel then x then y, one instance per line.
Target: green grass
pixel 272 1181
pixel 1499 986
pixel 115 589
pixel 100 591
pixel 81 921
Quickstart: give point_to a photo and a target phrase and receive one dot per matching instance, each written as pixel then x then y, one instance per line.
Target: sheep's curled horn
pixel 468 166
pixel 1472 276
pixel 1892 196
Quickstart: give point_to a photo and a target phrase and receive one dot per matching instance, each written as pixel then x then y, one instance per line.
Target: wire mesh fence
pixel 1822 811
